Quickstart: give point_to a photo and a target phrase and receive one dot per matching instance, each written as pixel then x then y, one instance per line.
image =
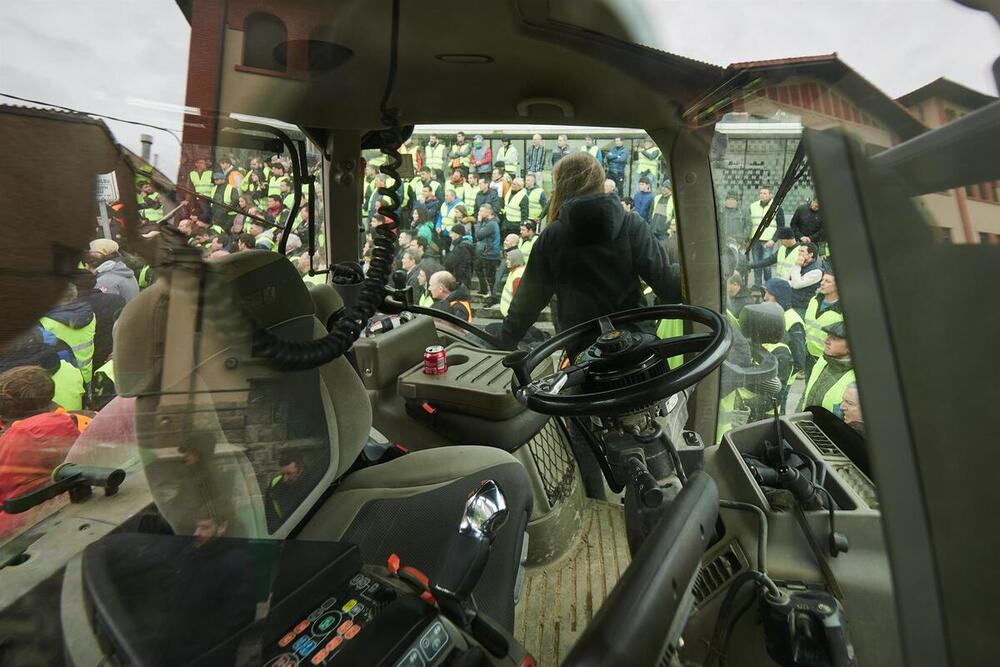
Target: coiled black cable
pixel 295 355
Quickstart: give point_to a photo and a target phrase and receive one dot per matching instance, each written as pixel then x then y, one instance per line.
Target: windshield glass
pixel 206 215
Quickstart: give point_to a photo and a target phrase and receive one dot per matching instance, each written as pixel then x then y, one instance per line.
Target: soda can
pixel 435 360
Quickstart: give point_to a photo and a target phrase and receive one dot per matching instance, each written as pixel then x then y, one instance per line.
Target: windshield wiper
pixel 796 170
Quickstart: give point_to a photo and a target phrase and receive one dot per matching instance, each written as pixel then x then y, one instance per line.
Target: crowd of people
pixel 477 230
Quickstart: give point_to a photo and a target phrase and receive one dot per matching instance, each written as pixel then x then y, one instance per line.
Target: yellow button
pixel 349 606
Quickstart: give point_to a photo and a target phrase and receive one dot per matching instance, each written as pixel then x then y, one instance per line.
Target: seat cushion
pixel 412 506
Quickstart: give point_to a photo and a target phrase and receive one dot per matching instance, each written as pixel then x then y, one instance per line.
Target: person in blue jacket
pixel 487 248
pixel 617 161
pixel 642 200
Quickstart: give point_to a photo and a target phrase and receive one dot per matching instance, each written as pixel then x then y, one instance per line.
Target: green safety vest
pixel 835 394
pixel 512 205
pixel 771 347
pixel 592 150
pixel 507 296
pixel 535 203
pixel 650 165
pixel 756 215
pixel 525 246
pixel 434 156
pixel 426 300
pixel 202 184
pixel 785 259
pixel 417 186
pixel 289 200
pixel 274 185
pixel 814 324
pixel 453 153
pixel 510 164
pixel 81 341
pixel 227 198
pixel 144 280
pixel 670 205
pixel 671 329
pixel 732 412
pixel 151 214
pixel 69 386
pixel 792 318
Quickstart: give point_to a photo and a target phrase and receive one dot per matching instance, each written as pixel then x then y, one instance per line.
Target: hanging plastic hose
pixel 292 355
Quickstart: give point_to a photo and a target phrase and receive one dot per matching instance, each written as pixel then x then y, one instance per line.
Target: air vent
pixel 716 573
pixel 819 439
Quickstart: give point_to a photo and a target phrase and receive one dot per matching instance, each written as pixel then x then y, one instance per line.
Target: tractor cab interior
pixel 305 457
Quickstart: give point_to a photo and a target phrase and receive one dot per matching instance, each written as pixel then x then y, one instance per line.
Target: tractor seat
pixel 224 433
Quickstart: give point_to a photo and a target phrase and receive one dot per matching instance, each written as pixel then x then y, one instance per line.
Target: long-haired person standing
pixel 591 256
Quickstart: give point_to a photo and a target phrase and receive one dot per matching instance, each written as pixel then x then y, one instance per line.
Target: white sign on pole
pixel 107 188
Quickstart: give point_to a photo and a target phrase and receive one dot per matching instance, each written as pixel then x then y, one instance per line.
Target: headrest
pixel 763 322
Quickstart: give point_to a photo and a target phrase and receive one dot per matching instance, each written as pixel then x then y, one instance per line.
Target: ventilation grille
pixel 716 573
pixel 819 439
pixel 556 466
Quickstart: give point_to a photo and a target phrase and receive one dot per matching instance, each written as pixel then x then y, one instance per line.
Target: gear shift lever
pixel 485 513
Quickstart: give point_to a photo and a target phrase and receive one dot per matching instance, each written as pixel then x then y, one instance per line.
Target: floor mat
pixel 561 597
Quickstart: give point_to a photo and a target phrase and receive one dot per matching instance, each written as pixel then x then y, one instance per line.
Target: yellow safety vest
pixel 525 246
pixel 227 198
pixel 592 150
pixel 289 200
pixel 756 215
pixel 507 296
pixel 732 412
pixel 434 156
pixel 274 185
pixel 512 205
pixel 151 214
pixel 814 323
pixel 463 160
pixel 771 347
pixel 670 205
pixel 671 329
pixel 468 197
pixel 81 341
pixel 733 320
pixel 426 300
pixel 69 386
pixel 535 203
pixel 785 259
pixel 650 165
pixel 835 394
pixel 509 159
pixel 202 183
pixel 792 318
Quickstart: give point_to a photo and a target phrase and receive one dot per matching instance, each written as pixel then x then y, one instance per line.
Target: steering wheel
pixel 621 370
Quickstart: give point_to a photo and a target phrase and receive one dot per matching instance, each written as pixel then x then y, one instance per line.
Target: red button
pixel 320 656
pixel 344 627
pixel 301 626
pixel 334 643
pixel 392 564
pixel 352 632
pixel 287 639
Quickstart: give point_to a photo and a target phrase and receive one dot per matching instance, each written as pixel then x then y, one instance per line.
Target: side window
pixel 792 349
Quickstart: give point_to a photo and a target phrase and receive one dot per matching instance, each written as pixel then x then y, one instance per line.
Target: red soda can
pixel 435 360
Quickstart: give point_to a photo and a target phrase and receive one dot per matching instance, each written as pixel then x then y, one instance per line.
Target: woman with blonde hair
pixel 591 256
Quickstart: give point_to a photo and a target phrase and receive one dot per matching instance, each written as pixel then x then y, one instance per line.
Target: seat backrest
pixel 223 432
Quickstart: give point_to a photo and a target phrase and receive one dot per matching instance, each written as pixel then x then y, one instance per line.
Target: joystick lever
pixel 484 515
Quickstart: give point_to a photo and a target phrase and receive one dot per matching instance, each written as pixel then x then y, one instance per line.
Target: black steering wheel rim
pixel 710 348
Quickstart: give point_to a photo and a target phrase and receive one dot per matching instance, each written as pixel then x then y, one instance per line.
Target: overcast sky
pixel 128 58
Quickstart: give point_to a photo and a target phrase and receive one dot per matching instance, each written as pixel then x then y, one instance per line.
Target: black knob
pixel 515 361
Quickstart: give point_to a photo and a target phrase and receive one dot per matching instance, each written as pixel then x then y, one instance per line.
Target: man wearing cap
pixel 617 162
pixel 223 193
pixel 460 259
pixel 642 200
pixel 662 212
pixel 782 256
pixel 263 235
pixel 590 146
pixel 113 275
pixel 481 158
pixel 779 291
pixel 833 373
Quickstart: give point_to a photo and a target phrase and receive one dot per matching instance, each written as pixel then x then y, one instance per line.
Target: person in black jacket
pixel 591 257
pixel 107 307
pixel 459 260
pixel 807 223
